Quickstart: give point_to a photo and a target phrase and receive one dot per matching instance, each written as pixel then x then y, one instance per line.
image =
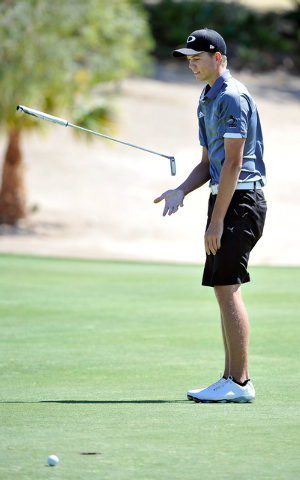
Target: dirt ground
pixel 95 200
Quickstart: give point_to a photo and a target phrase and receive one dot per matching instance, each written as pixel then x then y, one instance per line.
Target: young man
pixel 232 161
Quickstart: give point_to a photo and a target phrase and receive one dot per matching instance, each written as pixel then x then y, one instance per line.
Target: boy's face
pixel 204 66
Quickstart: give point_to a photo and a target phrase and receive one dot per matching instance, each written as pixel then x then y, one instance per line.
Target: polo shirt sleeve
pixel 234 111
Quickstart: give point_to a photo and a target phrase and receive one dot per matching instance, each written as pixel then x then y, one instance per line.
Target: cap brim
pixel 183 52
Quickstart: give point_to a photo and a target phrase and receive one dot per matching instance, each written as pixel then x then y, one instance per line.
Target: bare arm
pixel 198 177
pixel 234 148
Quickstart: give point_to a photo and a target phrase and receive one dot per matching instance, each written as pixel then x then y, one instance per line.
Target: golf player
pixel 232 162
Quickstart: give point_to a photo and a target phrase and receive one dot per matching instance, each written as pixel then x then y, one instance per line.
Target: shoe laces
pixel 224 383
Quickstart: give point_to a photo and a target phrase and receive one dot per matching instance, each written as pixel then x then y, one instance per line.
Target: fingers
pixel 212 238
pixel 172 209
pixel 165 209
pixel 169 209
pixel 164 196
pixel 212 245
pixel 173 199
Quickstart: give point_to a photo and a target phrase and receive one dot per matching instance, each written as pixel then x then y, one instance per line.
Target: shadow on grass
pixel 78 402
pixel 111 401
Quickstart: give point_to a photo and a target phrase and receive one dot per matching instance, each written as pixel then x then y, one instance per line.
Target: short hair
pixel 223 58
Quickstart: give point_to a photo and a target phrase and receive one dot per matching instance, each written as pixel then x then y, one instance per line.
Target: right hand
pixel 173 199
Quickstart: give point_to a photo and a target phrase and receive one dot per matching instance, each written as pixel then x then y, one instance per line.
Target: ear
pixel 218 56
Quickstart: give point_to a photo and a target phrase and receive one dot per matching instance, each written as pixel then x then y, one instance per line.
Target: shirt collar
pixel 212 92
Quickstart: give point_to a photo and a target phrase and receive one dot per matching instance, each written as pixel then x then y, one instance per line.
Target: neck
pixel 216 75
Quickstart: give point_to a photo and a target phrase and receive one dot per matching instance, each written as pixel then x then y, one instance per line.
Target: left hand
pixel 173 199
pixel 212 238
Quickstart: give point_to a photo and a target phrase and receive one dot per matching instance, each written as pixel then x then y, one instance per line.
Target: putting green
pixel 96 357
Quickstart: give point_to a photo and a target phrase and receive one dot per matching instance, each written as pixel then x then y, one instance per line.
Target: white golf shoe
pixel 226 392
pixel 192 393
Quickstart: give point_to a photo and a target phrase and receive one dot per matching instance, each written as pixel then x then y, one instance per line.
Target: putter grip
pixel 44 116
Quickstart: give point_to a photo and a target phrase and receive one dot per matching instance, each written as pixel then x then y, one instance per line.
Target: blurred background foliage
pixel 257 40
pixel 52 54
pixel 52 51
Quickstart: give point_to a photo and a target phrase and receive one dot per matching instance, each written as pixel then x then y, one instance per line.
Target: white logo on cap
pixel 191 38
pixel 211 47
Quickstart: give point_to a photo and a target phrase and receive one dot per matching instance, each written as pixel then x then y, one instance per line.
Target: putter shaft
pixel 65 123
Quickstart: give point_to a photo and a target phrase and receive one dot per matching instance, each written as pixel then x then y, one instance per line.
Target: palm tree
pixel 51 56
pixel 12 195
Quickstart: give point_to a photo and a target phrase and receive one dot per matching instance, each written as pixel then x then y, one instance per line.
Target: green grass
pixel 98 356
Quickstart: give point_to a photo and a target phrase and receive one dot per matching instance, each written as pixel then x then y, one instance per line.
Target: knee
pixel 219 292
pixel 226 291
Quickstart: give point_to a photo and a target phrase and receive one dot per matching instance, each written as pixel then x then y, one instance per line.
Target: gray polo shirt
pixel 227 110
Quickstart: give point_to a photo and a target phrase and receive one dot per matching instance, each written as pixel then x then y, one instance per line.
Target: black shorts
pixel 243 227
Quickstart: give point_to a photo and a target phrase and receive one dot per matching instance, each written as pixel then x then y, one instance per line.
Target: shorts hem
pixel 225 283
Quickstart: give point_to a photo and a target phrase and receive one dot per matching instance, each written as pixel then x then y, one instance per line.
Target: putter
pixel 65 123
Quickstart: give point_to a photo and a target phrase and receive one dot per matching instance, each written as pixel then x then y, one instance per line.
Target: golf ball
pixel 53 460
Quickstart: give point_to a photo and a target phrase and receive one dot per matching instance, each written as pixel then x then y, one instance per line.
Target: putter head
pixel 172 165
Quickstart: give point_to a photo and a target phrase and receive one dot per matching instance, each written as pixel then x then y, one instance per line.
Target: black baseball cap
pixel 205 40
